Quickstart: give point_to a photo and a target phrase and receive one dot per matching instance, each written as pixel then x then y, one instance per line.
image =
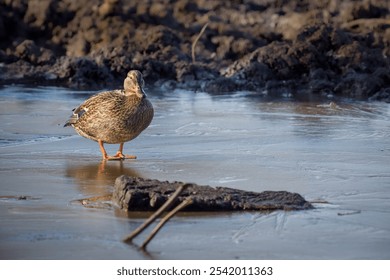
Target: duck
pixel 115 116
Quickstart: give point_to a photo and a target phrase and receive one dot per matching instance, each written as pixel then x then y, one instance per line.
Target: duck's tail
pixel 69 122
pixel 72 119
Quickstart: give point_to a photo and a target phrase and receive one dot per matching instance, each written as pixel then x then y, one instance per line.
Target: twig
pixel 366 22
pixel 196 41
pixel 157 214
pixel 182 205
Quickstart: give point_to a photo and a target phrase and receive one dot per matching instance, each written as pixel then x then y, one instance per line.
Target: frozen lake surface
pixel 328 152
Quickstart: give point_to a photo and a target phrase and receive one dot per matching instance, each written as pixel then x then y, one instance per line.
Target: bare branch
pixel 157 214
pixel 182 205
pixel 196 41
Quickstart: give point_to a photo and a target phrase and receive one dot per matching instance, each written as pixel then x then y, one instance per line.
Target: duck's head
pixel 134 84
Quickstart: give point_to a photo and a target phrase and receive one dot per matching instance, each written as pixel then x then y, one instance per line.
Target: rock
pixel 38 12
pixel 2 29
pixel 109 7
pixel 220 85
pixel 137 194
pixel 382 95
pixel 27 50
pixel 87 73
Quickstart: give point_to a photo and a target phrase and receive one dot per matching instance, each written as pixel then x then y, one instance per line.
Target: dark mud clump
pixel 292 47
pixel 137 194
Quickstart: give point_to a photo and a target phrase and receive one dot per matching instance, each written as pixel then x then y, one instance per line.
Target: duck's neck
pixel 135 94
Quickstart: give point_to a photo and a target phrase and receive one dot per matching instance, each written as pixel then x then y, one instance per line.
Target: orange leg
pixel 121 155
pixel 104 153
pixel 118 156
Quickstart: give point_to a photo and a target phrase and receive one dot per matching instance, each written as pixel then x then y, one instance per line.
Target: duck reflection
pixel 95 179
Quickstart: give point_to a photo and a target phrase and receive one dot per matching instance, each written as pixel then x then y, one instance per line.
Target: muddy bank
pixel 276 47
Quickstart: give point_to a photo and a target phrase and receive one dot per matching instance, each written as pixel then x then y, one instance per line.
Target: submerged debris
pixel 98 202
pixel 18 197
pixel 349 213
pixel 138 194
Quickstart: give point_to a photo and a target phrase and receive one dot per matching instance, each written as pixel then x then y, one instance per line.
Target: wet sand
pixel 336 153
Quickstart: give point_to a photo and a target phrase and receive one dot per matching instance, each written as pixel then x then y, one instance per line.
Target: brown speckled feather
pixel 113 117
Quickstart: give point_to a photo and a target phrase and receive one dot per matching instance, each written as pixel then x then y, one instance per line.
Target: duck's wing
pixel 92 104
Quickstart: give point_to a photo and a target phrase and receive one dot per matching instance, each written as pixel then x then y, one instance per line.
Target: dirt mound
pixel 300 47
